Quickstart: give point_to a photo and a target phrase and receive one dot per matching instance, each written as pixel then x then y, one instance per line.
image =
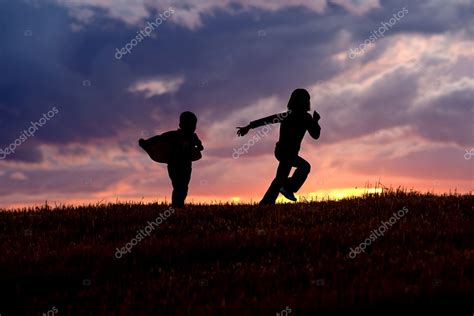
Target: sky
pixel 83 80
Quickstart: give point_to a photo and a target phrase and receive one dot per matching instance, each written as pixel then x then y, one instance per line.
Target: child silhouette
pixel 294 124
pixel 178 149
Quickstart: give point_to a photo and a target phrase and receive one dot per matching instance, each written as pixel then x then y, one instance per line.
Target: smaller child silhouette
pixel 179 149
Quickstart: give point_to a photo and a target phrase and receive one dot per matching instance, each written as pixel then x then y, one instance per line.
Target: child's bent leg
pixel 281 177
pixel 299 176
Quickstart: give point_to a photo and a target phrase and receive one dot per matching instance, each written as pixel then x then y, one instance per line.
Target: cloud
pixel 157 87
pixel 129 11
pixel 35 181
pixel 448 115
pixel 18 176
pixel 400 86
pixel 190 13
pixel 357 6
pixel 430 163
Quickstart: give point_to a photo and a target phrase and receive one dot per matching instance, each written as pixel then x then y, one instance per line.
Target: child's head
pixel 188 121
pixel 299 101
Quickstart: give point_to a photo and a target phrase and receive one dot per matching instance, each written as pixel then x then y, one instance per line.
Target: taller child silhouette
pixel 294 124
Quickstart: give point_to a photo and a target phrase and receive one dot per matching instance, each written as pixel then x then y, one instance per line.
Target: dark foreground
pixel 241 259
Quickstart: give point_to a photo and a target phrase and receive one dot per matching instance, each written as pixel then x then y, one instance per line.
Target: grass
pixel 240 259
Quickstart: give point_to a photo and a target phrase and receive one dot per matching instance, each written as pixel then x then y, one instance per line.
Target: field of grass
pixel 241 259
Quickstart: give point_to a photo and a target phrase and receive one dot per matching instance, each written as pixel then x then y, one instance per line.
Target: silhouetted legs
pixel 293 183
pixel 180 175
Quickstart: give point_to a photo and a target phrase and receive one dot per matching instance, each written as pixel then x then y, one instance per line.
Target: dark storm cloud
pixel 74 71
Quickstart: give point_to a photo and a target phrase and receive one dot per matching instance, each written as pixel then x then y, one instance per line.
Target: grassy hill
pixel 240 259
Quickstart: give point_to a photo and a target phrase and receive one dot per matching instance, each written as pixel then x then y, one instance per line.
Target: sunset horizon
pixel 394 96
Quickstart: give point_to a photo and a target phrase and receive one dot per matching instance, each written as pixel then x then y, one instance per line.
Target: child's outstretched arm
pixel 272 119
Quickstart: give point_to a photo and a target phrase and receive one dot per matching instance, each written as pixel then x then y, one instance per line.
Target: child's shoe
pixel 289 195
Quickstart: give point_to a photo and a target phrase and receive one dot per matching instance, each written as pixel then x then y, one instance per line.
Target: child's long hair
pixel 299 101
